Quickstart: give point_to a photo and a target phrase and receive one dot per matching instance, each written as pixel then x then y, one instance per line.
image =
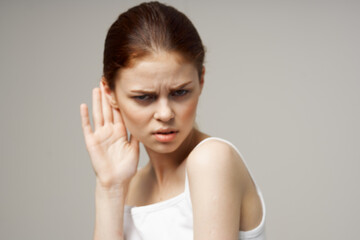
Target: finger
pixel 108 116
pixel 85 121
pixel 97 109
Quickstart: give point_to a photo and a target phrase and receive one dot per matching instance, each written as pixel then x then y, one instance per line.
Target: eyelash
pixel 149 97
pixel 183 91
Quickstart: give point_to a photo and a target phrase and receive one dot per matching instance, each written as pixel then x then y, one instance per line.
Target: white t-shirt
pixel 172 219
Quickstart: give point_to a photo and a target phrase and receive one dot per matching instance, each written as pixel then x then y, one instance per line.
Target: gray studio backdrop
pixel 282 84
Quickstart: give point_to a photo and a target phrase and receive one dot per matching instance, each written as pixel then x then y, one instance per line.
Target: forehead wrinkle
pixel 155 73
pixel 168 87
pixel 156 82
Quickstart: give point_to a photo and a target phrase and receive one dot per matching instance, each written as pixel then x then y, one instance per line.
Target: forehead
pixel 157 70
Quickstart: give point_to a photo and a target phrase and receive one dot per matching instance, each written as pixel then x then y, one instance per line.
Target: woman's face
pixel 159 92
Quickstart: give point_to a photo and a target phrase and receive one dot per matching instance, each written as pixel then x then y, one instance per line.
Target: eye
pixel 179 93
pixel 144 98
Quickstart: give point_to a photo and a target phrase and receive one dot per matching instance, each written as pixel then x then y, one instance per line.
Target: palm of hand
pixel 113 157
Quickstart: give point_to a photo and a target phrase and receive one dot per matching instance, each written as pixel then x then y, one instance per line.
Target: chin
pixel 165 148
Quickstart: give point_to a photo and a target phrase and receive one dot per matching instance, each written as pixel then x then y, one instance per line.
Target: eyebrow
pixel 149 91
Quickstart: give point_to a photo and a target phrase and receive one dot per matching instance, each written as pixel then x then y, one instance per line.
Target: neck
pixel 165 166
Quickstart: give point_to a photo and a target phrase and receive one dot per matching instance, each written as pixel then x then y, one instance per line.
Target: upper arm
pixel 215 190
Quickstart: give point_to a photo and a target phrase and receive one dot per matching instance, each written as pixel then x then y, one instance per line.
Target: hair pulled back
pixel 146 29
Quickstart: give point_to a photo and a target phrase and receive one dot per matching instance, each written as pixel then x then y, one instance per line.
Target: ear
pixel 109 94
pixel 202 79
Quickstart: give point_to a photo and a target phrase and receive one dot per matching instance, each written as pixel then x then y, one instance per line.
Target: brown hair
pixel 149 28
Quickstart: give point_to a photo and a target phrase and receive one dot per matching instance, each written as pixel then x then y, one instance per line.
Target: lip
pixel 165 137
pixel 165 130
pixel 165 134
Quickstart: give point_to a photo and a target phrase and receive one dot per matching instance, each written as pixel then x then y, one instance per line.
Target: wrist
pixel 118 191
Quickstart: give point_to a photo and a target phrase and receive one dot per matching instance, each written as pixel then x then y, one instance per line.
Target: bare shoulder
pixel 219 177
pixel 215 164
pixel 214 154
pixel 215 189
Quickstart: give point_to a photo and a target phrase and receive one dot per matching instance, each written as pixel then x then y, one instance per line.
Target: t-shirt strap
pixel 187 189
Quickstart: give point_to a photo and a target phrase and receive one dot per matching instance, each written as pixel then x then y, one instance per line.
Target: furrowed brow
pixel 153 92
pixel 143 91
pixel 180 86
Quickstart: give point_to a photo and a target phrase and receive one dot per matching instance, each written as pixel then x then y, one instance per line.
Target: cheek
pixel 134 119
pixel 187 112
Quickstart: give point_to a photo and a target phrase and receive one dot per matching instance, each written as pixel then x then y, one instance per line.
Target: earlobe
pixel 110 95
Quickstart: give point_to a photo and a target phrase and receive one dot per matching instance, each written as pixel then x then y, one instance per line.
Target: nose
pixel 164 111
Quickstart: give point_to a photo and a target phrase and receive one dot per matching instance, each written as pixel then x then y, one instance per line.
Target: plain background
pixel 282 84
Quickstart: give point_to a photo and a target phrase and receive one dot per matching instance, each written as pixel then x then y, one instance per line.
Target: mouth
pixel 165 135
pixel 165 131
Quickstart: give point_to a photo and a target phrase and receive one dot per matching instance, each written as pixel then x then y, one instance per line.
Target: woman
pixel 194 186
